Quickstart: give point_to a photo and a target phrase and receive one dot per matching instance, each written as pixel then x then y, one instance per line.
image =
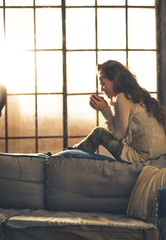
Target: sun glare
pixel 18 70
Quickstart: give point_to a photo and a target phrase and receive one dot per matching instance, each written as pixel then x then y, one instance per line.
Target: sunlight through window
pixel 78 27
pixel 48 28
pixel 19 71
pixel 81 72
pixel 113 19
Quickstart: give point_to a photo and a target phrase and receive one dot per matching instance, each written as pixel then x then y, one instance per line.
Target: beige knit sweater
pixel 143 137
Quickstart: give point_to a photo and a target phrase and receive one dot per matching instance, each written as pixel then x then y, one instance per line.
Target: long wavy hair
pixel 125 81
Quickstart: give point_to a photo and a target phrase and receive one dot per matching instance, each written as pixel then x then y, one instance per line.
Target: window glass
pixel 21 116
pixel 19 28
pixel 111 2
pixel 104 56
pixel 74 140
pixel 2 124
pixel 111 28
pixel 144 37
pixel 48 28
pixel 1 29
pixel 20 71
pixel 81 72
pixel 143 64
pixel 49 71
pixel 141 2
pixel 21 146
pixel 19 2
pixel 1 2
pixel 80 30
pixel 47 2
pixel 80 2
pixel 50 122
pixel 53 145
pixel 81 117
pixel 2 145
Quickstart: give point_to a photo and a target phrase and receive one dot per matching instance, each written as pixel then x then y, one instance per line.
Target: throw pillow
pixel 143 199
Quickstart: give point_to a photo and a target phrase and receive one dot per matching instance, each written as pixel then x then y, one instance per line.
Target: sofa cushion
pixel 41 224
pixel 43 218
pixel 79 181
pixel 22 180
pixel 142 203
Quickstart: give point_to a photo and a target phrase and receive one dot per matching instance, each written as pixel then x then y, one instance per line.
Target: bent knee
pixel 99 130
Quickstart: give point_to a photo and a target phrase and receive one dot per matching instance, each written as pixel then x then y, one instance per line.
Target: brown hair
pixel 125 81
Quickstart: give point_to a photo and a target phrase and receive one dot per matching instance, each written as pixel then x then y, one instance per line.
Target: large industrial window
pixel 49 50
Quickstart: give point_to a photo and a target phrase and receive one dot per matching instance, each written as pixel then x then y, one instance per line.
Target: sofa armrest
pixel 161 202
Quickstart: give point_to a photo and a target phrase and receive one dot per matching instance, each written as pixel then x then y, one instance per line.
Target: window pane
pixel 50 122
pixel 104 56
pixel 144 37
pixel 20 73
pixel 49 71
pixel 81 72
pixel 111 2
pixel 21 146
pixel 111 28
pixel 72 141
pixel 48 28
pixel 141 2
pixel 2 145
pixel 80 30
pixel 47 2
pixel 19 28
pixel 80 2
pixel 1 2
pixel 52 145
pixel 19 2
pixel 1 29
pixel 2 124
pixel 143 64
pixel 81 117
pixel 21 116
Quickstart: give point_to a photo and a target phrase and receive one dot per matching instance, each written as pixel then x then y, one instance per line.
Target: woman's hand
pixel 98 103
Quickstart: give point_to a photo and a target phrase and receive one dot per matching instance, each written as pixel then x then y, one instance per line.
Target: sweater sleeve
pixel 117 123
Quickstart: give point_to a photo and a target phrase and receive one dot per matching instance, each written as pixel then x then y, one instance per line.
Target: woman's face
pixel 107 86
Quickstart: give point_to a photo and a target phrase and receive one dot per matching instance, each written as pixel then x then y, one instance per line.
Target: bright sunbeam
pixel 17 72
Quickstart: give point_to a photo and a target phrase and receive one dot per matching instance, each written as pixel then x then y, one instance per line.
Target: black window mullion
pixel 65 132
pixel 36 98
pixel 96 33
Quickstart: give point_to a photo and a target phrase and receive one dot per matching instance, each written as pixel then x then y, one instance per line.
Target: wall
pixel 161 35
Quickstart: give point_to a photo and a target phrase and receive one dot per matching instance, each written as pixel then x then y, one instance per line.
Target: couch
pixel 78 195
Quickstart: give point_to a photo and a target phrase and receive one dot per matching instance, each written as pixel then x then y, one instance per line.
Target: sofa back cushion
pixel 22 180
pixel 79 181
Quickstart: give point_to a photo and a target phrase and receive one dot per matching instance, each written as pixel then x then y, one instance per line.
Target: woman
pixel 135 121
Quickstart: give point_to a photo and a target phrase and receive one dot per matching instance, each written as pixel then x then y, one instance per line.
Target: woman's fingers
pixel 98 103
